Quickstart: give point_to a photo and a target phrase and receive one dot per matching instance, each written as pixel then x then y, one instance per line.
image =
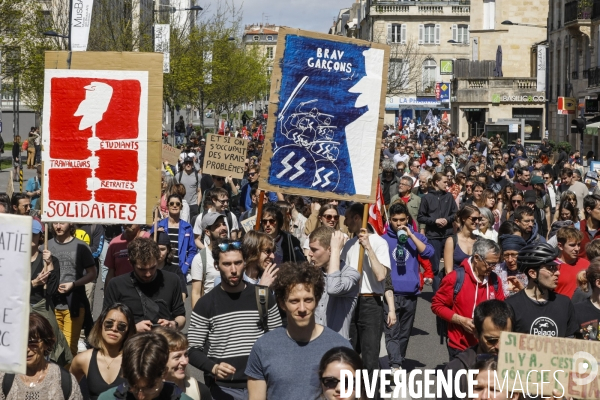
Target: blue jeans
pixel 397 336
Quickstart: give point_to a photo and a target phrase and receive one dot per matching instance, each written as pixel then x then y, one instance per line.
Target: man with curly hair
pixel 298 289
pixel 154 296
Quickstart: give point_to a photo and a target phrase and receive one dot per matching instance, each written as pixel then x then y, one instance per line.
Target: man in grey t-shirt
pixel 272 367
pixel 190 179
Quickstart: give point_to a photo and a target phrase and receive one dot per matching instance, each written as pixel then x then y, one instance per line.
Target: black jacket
pixel 437 204
pixel 464 360
pixel 291 247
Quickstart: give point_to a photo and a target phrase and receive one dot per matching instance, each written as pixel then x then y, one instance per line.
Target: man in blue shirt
pixel 404 245
pixel 33 188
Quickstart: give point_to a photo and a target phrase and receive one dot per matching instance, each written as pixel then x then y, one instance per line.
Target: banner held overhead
pixel 323 131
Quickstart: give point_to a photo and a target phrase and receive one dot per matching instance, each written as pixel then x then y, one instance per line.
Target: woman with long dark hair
pixel 101 365
pixel 460 246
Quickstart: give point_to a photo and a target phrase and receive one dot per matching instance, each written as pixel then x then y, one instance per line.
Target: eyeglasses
pixel 269 221
pixel 251 173
pixel 468 186
pixel 34 344
pixel 121 326
pixel 225 201
pixel 475 219
pixel 174 204
pixel 517 201
pixel 330 217
pixel 268 251
pixel 219 178
pixel 487 264
pixel 551 268
pixel 331 383
pixel 225 246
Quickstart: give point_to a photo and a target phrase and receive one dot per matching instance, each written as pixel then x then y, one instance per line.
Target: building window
pixel 429 75
pixel 269 52
pixel 256 38
pixel 463 34
pixel 429 34
pixel 269 38
pixel 489 14
pixel 397 33
pixel 398 78
pixel 269 70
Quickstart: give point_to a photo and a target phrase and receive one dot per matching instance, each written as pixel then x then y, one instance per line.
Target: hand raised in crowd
pixel 363 239
pixel 269 274
pixel 144 326
pixel 517 285
pixel 223 370
pixel 314 207
pixel 65 287
pixel 41 279
pixel 338 240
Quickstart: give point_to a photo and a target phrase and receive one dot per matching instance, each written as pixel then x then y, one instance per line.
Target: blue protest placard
pixel 326 116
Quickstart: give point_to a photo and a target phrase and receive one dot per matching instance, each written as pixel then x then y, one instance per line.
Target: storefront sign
pixel 442 91
pixel 446 67
pixel 566 105
pixel 500 98
pixel 401 102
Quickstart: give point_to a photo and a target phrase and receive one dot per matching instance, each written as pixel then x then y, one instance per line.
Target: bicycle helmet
pixel 536 255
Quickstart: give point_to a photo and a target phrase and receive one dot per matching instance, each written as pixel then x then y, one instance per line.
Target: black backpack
pixel 66 383
pixel 460 279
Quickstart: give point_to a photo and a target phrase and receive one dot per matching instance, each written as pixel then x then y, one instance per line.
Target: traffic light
pixel 579 123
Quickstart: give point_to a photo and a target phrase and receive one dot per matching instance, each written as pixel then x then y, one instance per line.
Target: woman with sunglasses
pixel 328 216
pixel 486 226
pixel 177 364
pixel 42 379
pixel 459 246
pixel 516 200
pixel 180 233
pixel 101 365
pixel 332 363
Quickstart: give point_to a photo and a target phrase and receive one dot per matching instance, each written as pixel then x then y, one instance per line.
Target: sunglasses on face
pixel 219 178
pixel 551 268
pixel 517 201
pixel 121 326
pixel 226 246
pixel 251 173
pixel 34 344
pixel 270 221
pixel 175 204
pixel 331 383
pixel 475 219
pixel 268 251
pixel 330 217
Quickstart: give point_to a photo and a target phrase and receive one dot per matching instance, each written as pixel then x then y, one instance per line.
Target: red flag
pixel 375 212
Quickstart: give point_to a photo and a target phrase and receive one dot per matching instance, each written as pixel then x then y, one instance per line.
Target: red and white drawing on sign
pixel 95 145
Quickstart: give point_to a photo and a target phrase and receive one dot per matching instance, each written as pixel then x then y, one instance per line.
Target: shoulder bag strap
pixel 262 303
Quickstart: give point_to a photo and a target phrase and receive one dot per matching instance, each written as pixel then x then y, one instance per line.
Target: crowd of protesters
pixel 505 235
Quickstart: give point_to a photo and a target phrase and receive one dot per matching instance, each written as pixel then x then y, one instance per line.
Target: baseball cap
pixel 529 196
pixel 37 227
pixel 188 159
pixel 209 219
pixel 537 180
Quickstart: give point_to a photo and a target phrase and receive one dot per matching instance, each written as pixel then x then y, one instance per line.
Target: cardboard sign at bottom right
pixel 534 363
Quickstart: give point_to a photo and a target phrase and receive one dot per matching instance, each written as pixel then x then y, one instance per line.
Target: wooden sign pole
pixel 155 223
pixel 361 253
pixel 259 207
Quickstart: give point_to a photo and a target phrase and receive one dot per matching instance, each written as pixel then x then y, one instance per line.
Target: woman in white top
pixel 178 361
pixel 486 226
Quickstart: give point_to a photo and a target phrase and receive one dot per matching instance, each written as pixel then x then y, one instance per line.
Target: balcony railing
pixel 423 7
pixel 575 75
pixel 593 77
pixel 578 9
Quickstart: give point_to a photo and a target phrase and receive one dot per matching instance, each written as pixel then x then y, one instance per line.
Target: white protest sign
pixel 15 283
pixel 249 224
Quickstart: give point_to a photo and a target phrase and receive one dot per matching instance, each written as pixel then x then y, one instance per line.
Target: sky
pixel 312 15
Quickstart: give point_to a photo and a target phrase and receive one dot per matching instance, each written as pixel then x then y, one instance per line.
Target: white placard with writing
pixel 15 283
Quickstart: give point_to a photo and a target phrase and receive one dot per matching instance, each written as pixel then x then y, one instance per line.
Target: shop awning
pixel 592 129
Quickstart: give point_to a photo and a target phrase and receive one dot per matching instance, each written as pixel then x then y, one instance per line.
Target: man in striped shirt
pixel 225 324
